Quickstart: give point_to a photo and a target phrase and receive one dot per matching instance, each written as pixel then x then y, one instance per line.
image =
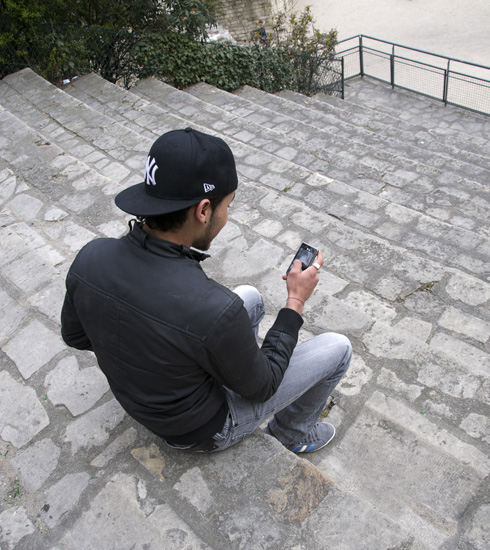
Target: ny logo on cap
pixel 150 169
pixel 208 187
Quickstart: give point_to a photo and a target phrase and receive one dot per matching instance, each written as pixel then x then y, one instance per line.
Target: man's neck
pixel 177 237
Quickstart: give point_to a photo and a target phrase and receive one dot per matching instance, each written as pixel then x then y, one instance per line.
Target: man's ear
pixel 202 211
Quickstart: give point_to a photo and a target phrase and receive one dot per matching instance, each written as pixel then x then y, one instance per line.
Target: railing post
pixel 343 79
pixel 361 56
pixel 392 67
pixel 446 83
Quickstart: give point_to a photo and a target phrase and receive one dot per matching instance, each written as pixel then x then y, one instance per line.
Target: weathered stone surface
pixel 478 533
pixel 29 272
pixel 26 206
pixel 37 463
pixel 15 525
pixel 119 445
pixel 468 290
pixel 477 426
pixel 22 416
pixel 94 428
pixel 260 257
pixel 400 211
pixel 62 497
pixel 404 340
pixel 390 380
pixel 116 515
pixel 299 493
pixel 195 490
pixel 355 523
pixel 338 316
pixel 456 320
pixel 11 315
pixel 394 457
pixel 357 376
pixel 30 358
pixel 77 389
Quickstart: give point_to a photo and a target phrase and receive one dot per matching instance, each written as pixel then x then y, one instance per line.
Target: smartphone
pixel 306 254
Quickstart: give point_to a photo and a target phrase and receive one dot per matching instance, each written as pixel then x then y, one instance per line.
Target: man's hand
pixel 300 284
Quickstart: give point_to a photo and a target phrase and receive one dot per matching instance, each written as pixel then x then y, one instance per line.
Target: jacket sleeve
pixel 72 330
pixel 236 360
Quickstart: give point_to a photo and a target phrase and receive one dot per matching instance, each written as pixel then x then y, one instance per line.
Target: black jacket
pixel 167 337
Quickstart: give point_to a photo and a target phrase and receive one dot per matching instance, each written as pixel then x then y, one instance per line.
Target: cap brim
pixel 136 201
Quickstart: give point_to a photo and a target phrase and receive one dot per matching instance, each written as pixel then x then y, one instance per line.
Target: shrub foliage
pixel 126 40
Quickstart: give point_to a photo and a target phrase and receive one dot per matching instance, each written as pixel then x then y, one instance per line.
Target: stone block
pixel 477 425
pixel 193 488
pixel 407 467
pixel 299 493
pixel 22 416
pixel 94 428
pixel 15 526
pixel 115 514
pixel 395 342
pixel 26 206
pixel 76 237
pixel 119 445
pixel 477 534
pixel 262 256
pixel 33 347
pixel 471 358
pixel 49 300
pixel 357 376
pixel 36 463
pixel 346 522
pixel 29 272
pixel 339 316
pixel 468 290
pixel 468 325
pixel 390 380
pixel 77 389
pixel 11 315
pixel 78 202
pixel 62 497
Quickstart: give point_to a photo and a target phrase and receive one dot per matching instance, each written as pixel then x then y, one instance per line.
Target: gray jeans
pixel 315 368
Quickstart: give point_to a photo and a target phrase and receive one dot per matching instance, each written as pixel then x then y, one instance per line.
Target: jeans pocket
pixel 223 435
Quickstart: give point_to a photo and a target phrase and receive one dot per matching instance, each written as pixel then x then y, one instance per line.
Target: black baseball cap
pixel 183 167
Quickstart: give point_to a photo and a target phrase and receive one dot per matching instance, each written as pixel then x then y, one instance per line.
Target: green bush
pixel 165 43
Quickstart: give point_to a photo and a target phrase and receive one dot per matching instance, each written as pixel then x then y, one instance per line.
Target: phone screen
pixel 306 254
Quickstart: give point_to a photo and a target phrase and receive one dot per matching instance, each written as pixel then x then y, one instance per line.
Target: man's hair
pixel 174 220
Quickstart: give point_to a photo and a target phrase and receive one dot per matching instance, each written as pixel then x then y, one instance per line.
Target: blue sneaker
pixel 320 436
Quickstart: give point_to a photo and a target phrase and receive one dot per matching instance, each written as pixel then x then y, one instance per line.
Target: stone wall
pixel 240 16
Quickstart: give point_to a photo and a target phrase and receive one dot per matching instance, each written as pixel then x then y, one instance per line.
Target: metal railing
pixel 452 81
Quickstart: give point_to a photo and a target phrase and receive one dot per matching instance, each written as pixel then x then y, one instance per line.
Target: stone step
pixel 323 193
pixel 410 459
pixel 447 159
pixel 51 205
pixel 96 140
pixel 417 186
pixel 231 125
pixel 452 142
pixel 399 460
pixel 416 109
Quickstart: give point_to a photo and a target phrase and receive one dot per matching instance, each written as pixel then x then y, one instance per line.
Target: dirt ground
pixel 451 28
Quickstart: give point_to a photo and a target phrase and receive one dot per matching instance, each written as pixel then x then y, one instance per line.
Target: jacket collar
pixel 161 247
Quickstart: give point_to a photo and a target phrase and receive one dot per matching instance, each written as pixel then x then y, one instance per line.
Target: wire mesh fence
pixel 468 91
pixel 317 74
pixel 418 71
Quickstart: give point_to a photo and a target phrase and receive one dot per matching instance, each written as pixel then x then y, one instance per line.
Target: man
pixel 180 350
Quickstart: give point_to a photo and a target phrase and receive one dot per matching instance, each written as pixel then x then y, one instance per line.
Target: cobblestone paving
pixel 393 189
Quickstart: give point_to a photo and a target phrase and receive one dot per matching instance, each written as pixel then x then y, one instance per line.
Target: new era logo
pixel 208 187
